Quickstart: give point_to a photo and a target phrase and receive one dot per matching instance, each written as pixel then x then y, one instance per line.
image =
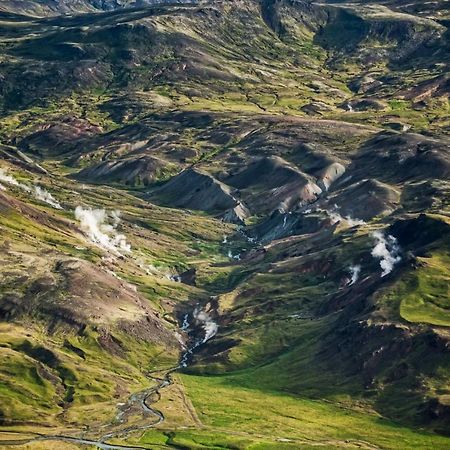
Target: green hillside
pixel 224 225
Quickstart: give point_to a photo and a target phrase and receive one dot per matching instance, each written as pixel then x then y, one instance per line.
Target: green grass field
pixel 231 412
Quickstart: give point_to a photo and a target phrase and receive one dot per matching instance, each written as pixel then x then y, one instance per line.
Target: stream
pixel 144 399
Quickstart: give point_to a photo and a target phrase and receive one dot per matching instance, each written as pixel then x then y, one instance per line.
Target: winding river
pixel 143 399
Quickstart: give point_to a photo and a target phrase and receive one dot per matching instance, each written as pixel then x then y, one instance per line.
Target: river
pixel 201 321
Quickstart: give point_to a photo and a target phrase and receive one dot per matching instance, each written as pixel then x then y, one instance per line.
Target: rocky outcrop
pixel 238 214
pixel 364 104
pixel 399 157
pixel 279 225
pixel 366 200
pixel 55 139
pixel 272 183
pixel 198 190
pixel 329 174
pixel 140 171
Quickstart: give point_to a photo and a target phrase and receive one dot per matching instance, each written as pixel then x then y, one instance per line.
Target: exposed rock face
pixel 195 189
pixel 238 214
pixel 328 175
pixel 365 104
pixel 434 87
pixel 53 139
pixel 280 225
pixel 189 276
pixel 365 84
pixel 399 157
pixel 132 172
pixel 263 185
pixel 366 200
pixel 316 108
pixel 270 183
pixel 269 172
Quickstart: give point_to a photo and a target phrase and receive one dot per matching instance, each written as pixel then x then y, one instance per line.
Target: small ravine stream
pixel 201 329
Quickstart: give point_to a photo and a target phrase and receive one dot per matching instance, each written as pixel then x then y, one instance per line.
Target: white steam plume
pixel 336 217
pixel 387 251
pixel 231 256
pixel 354 272
pixel 12 181
pixel 209 326
pixel 45 196
pixel 115 216
pixel 203 319
pixel 94 222
pixel 7 178
pixel 38 192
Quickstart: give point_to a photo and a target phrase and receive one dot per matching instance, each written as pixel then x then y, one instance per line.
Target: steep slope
pixel 42 8
pixel 79 289
pixel 224 225
pixel 134 171
pixel 194 189
pixel 193 60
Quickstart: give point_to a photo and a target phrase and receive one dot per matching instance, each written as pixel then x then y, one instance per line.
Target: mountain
pixel 43 8
pixel 224 224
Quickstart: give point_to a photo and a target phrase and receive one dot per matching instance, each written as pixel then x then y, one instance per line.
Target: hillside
pixel 43 8
pixel 224 224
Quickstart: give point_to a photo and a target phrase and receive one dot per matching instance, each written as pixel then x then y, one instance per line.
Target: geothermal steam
pixel 354 272
pixel 96 224
pixel 45 196
pixel 12 181
pixel 38 192
pixel 7 178
pixel 207 323
pixel 387 251
pixel 336 217
pixel 203 319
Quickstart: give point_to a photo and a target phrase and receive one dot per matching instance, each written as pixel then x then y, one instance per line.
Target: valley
pixel 224 225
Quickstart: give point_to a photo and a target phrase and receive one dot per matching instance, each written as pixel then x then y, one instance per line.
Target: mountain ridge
pixel 225 225
pixel 40 8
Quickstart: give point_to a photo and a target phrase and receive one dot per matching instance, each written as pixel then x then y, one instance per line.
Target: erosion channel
pixel 199 327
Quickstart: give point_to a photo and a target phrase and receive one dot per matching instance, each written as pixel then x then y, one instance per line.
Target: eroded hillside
pixel 225 225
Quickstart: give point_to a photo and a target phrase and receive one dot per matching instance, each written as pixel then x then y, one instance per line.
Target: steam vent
pixel 224 224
